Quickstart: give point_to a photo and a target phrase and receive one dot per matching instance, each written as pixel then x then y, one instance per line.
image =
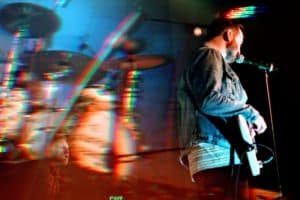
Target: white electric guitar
pixel 254 164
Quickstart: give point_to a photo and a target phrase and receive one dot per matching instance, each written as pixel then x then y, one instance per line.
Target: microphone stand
pixel 273 133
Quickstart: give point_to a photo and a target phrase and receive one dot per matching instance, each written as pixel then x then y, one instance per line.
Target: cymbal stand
pixel 128 97
pixel 12 61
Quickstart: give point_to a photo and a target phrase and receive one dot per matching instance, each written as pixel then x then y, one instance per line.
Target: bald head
pixel 227 36
pixel 219 25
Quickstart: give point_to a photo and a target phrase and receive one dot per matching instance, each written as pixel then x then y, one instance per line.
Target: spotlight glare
pixel 197 31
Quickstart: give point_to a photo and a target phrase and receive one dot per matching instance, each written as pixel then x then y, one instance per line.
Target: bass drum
pixel 13 107
pixel 91 138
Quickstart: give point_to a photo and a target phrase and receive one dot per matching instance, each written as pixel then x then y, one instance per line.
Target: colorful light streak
pixel 243 12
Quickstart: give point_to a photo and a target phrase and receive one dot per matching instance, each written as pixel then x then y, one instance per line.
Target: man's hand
pixel 259 125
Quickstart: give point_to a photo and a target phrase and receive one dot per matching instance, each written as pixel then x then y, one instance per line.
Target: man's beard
pixel 230 54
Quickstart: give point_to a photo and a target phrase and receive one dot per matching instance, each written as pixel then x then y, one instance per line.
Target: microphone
pixel 241 60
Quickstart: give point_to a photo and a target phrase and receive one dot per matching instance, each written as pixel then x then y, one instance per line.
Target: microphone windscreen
pixel 240 59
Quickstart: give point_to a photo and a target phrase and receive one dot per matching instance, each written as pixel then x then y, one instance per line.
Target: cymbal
pixel 34 20
pixel 56 65
pixel 135 62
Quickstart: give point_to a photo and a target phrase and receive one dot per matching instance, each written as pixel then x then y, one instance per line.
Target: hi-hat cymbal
pixel 57 65
pixel 130 45
pixel 35 21
pixel 135 62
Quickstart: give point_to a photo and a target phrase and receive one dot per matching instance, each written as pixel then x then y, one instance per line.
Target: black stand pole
pixel 273 134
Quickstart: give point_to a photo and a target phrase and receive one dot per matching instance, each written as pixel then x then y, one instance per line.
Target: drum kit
pixel 34 21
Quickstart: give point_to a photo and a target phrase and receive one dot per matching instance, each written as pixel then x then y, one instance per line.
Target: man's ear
pixel 227 35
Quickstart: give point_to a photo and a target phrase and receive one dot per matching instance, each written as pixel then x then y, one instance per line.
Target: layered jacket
pixel 209 94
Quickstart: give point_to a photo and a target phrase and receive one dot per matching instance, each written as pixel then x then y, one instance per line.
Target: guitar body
pixel 254 164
